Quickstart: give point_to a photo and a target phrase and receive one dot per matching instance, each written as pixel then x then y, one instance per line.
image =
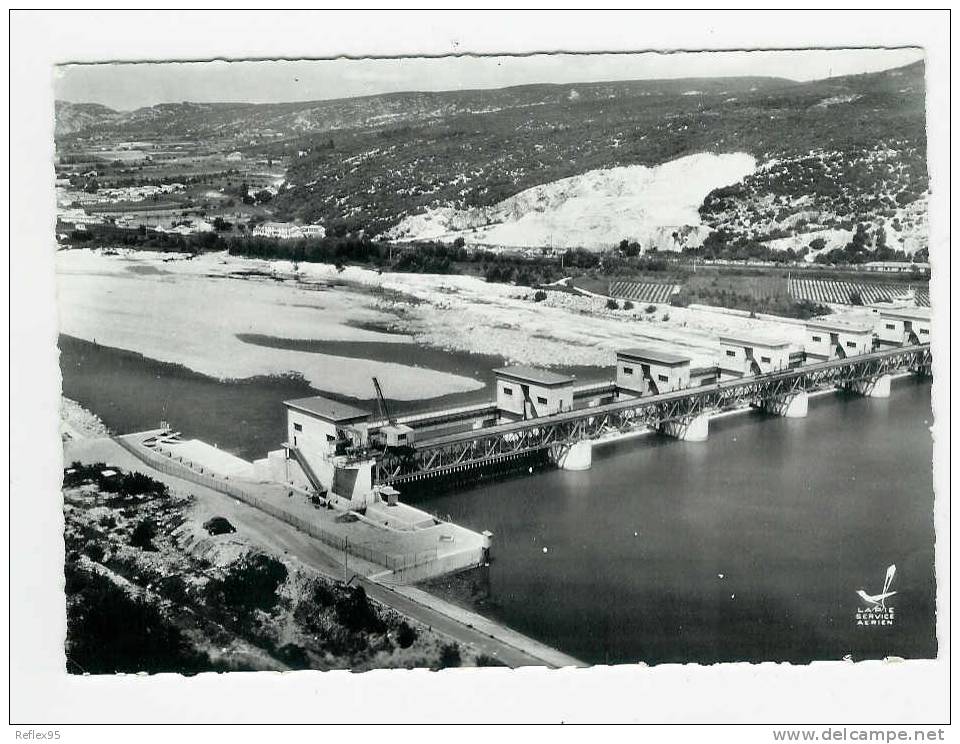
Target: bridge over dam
pixel 358 458
pixel 610 410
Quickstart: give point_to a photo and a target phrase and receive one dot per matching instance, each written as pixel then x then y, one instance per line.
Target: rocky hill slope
pixel 594 210
pixel 830 153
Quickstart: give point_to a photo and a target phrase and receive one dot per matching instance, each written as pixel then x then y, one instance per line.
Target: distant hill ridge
pixel 301 116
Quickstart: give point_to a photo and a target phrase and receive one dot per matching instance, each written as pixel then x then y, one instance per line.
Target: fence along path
pixel 167 464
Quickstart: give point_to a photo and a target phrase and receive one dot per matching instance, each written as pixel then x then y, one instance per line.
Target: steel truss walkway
pixel 468 449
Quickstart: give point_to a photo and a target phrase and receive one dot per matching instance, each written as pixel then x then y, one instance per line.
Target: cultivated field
pixel 840 292
pixel 643 291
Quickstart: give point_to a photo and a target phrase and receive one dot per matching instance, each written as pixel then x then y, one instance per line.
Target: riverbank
pixel 485 641
pixel 490 642
pixel 110 297
pixel 76 422
pixel 195 312
pixel 205 597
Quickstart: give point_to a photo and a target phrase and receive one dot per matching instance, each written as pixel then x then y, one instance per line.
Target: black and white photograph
pixel 481 362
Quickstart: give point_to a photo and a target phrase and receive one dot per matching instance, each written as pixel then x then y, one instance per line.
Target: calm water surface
pixel 750 546
pixel 131 392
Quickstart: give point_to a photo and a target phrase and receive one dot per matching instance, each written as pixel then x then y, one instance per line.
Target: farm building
pixel 650 372
pixel 896 267
pixel 259 181
pixel 837 339
pixel 752 355
pixel 288 231
pixel 903 326
pixel 527 392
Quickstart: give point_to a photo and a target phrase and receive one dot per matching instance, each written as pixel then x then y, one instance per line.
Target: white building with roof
pixel 288 231
pixel 896 267
pixel 320 431
pixel 904 326
pixel 527 392
pixel 647 371
pixel 752 354
pixel 837 338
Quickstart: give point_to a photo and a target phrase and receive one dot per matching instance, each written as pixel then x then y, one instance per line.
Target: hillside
pixel 830 153
pixel 374 179
pixel 594 210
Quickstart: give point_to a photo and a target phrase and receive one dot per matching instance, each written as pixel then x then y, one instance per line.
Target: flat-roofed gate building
pixel 527 392
pixel 650 372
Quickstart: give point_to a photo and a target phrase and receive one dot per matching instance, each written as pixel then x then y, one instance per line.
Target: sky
pixel 126 86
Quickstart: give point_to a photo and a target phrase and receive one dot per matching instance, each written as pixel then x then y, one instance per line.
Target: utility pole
pixel 346 540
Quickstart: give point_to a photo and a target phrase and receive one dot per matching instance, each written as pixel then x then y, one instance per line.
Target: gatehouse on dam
pixel 540 415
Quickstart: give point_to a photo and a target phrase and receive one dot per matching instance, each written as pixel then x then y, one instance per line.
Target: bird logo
pixel 880 600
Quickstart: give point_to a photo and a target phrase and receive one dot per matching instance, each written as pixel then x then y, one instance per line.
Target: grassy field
pixel 764 286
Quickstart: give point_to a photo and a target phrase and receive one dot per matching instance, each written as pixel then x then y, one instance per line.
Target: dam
pixel 350 453
pixel 342 470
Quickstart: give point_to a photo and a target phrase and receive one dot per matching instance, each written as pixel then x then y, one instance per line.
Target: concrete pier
pixel 578 456
pixel 878 388
pixel 790 406
pixel 695 429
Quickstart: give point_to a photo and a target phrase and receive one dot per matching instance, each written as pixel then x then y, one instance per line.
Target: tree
pixel 450 655
pixel 612 304
pixel 355 612
pixel 249 584
pixel 143 534
pixel 880 239
pixel 406 635
pixel 856 298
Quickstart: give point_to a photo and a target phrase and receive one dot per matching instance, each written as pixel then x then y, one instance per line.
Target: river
pixel 748 547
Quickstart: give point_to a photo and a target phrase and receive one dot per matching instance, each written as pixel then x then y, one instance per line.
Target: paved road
pixel 506 653
pixel 260 528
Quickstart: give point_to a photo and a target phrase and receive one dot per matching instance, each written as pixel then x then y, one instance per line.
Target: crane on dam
pixel 382 404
